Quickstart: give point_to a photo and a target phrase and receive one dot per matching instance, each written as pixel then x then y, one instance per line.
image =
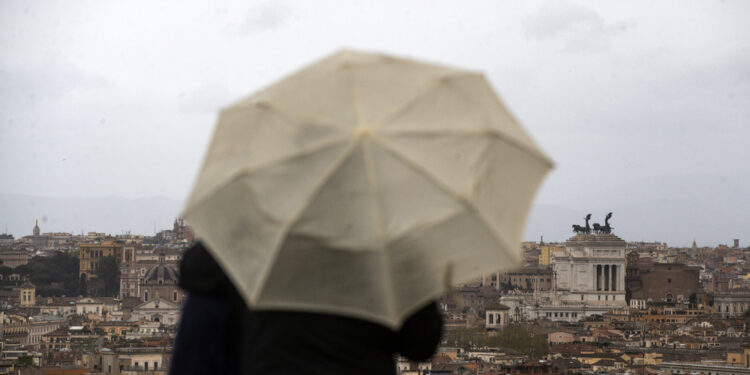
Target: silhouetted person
pixel 218 334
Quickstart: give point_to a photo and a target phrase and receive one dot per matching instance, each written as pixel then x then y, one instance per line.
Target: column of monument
pixel 606 277
pixel 613 269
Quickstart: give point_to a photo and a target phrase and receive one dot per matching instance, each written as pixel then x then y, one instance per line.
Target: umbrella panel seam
pixel 378 203
pixel 530 149
pixel 285 112
pixel 438 182
pixel 244 172
pixel 298 215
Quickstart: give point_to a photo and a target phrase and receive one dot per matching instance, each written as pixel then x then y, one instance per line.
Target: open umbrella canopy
pixel 364 185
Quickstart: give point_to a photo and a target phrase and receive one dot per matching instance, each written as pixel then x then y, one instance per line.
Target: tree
pixel 518 337
pixel 58 268
pixel 23 270
pixel 465 337
pixel 25 361
pixel 109 273
pixel 5 270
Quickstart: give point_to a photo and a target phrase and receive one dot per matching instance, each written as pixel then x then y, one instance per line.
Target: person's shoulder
pixel 199 273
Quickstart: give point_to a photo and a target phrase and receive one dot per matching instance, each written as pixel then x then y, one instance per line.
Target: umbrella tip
pixel 362 132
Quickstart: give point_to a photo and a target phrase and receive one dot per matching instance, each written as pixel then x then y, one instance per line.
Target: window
pixel 492 319
pixel 145 296
pixel 174 296
pixel 145 366
pixel 155 366
pixel 669 281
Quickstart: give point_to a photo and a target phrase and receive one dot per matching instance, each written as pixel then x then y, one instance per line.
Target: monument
pixel 588 276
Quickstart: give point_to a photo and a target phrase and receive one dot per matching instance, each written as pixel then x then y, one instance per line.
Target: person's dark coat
pixel 219 335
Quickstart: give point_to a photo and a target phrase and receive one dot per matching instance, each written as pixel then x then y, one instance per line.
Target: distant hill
pixel 106 214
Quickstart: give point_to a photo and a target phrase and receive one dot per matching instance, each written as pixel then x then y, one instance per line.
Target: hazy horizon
pixel 148 215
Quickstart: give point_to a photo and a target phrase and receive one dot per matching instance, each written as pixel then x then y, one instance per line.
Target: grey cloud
pixel 21 87
pixel 206 99
pixel 581 27
pixel 266 16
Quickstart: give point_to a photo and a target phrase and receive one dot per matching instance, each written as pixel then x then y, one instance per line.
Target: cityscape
pixel 97 303
pixel 405 188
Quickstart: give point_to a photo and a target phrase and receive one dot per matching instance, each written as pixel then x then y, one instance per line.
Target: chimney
pixel 736 243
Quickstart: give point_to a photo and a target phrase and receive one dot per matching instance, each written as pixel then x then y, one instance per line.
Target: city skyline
pixel 70 216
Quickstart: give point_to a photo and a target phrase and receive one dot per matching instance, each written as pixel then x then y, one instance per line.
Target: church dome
pixel 161 271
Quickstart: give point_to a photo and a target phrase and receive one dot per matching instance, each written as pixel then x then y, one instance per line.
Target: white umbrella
pixel 364 185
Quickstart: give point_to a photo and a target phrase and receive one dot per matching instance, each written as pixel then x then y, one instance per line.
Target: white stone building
pixel 591 271
pixel 158 311
pixel 589 279
pixel 496 316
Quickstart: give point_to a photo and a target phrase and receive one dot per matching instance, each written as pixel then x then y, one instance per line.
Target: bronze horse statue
pixel 606 228
pixel 580 229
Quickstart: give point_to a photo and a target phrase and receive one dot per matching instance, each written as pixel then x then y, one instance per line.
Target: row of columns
pixel 606 277
pixel 732 309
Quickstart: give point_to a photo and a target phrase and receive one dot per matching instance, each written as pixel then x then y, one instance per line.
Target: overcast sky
pixel 635 101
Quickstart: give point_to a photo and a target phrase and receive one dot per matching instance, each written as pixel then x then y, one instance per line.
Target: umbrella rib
pixel 479 132
pixel 355 93
pixel 242 172
pixel 413 101
pixel 298 215
pixel 424 172
pixel 529 149
pixel 287 113
pixel 380 219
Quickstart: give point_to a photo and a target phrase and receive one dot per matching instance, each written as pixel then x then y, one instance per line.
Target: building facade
pixel 496 316
pixel 591 270
pixel 160 282
pixel 664 283
pixel 528 278
pixel 14 258
pixel 733 303
pixel 91 254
